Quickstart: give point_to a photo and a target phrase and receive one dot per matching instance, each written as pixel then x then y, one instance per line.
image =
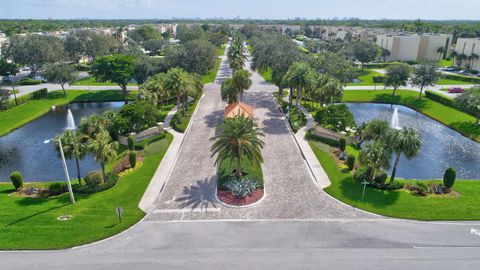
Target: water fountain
pixel 394 123
pixel 70 121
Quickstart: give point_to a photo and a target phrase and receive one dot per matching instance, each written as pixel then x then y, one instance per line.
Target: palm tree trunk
pixel 372 174
pixel 78 172
pixel 179 103
pixel 394 171
pixel 103 171
pixel 238 172
pixel 280 95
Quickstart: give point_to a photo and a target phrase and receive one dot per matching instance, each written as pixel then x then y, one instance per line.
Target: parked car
pixel 449 69
pixel 456 90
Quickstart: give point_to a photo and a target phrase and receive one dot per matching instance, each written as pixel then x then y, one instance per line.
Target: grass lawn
pixel 452 82
pixel 460 121
pixel 267 75
pixel 445 63
pixel 399 204
pixel 226 170
pixel 180 122
pixel 23 114
pixel 28 223
pixel 366 76
pixel 91 81
pixel 210 76
pixel 221 50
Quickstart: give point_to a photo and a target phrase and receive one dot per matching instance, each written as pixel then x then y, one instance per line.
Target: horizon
pixel 430 10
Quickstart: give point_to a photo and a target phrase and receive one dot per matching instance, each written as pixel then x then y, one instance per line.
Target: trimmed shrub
pixel 449 177
pixel 29 82
pixel 472 80
pixel 132 158
pixel 39 94
pixel 17 179
pixel 381 178
pixel 112 180
pixel 440 99
pixel 378 79
pixel 418 188
pixel 55 189
pixel 350 162
pixel 131 143
pixel 361 174
pixel 242 187
pixel 342 144
pixel 94 178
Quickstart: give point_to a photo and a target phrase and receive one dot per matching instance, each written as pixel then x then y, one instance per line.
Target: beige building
pixel 469 47
pixel 414 47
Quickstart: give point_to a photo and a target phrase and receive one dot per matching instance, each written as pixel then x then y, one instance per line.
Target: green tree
pixel 103 149
pixel 424 75
pixel 299 76
pixel 85 43
pixel 196 56
pixel 145 33
pixel 9 70
pixel 181 84
pixel 4 98
pixel 154 90
pixel 186 33
pixel 241 81
pixel 406 142
pixel 376 157
pixel 34 51
pixel 116 68
pixel 74 146
pixel 238 141
pixel 60 74
pixel 364 51
pixel 397 75
pixel 229 92
pixel 136 117
pixel 449 177
pixel 470 101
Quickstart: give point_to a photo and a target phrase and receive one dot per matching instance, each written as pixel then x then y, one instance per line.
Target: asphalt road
pixel 322 244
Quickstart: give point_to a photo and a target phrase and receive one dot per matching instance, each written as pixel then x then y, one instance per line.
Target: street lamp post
pixel 65 169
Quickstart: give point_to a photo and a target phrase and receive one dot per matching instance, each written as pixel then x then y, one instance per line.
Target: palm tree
pixel 229 92
pixel 74 146
pixel 374 130
pixel 406 142
pixel 154 90
pixel 460 58
pixel 180 83
pixel 239 140
pixel 236 52
pixel 385 54
pixel 375 156
pixel 441 51
pixel 453 55
pixel 472 58
pixel 241 81
pixel 92 125
pixel 299 76
pixel 103 149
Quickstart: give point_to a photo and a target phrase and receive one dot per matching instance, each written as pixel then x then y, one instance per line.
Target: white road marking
pixel 475 232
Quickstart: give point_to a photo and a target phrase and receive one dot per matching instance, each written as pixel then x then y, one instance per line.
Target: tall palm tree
pixel 236 52
pixel 238 141
pixel 74 146
pixel 180 83
pixel 241 81
pixel 103 149
pixel 406 142
pixel 375 156
pixel 299 76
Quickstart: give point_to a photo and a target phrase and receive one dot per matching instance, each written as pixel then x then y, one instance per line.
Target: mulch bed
pixel 230 199
pixel 124 164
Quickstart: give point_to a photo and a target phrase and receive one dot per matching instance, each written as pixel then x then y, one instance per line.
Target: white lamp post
pixel 65 169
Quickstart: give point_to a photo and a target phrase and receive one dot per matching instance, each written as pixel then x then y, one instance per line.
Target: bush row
pixel 39 94
pixel 461 78
pixel 440 98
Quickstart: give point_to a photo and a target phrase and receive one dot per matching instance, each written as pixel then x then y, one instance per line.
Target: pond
pixel 24 149
pixel 441 146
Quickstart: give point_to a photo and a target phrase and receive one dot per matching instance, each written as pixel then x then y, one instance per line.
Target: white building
pixel 414 47
pixel 471 48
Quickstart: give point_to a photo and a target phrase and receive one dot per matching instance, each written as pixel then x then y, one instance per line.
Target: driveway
pixel 291 191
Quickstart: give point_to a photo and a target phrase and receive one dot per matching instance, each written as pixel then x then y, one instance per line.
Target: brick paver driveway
pixel 290 190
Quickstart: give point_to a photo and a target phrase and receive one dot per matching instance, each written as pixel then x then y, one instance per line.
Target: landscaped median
pixel 451 117
pixel 461 205
pixel 32 223
pixel 35 108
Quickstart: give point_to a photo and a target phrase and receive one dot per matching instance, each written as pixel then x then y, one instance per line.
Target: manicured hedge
pixel 29 82
pixel 473 80
pixel 39 94
pixel 440 99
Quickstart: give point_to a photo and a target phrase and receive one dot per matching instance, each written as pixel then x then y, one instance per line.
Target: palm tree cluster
pixel 238 142
pixel 236 52
pixel 383 142
pixel 232 89
pixel 93 138
pixel 176 83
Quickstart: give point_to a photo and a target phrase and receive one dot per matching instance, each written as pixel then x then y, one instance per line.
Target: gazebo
pixel 238 108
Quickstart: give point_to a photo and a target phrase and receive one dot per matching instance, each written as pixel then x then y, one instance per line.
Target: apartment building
pixel 405 47
pixel 469 47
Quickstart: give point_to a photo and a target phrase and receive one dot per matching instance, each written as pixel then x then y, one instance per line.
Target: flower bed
pixel 229 198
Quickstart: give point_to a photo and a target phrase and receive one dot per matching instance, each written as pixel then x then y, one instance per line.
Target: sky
pixel 257 9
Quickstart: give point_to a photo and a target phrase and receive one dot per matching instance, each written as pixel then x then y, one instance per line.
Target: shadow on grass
pixel 377 198
pixel 34 215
